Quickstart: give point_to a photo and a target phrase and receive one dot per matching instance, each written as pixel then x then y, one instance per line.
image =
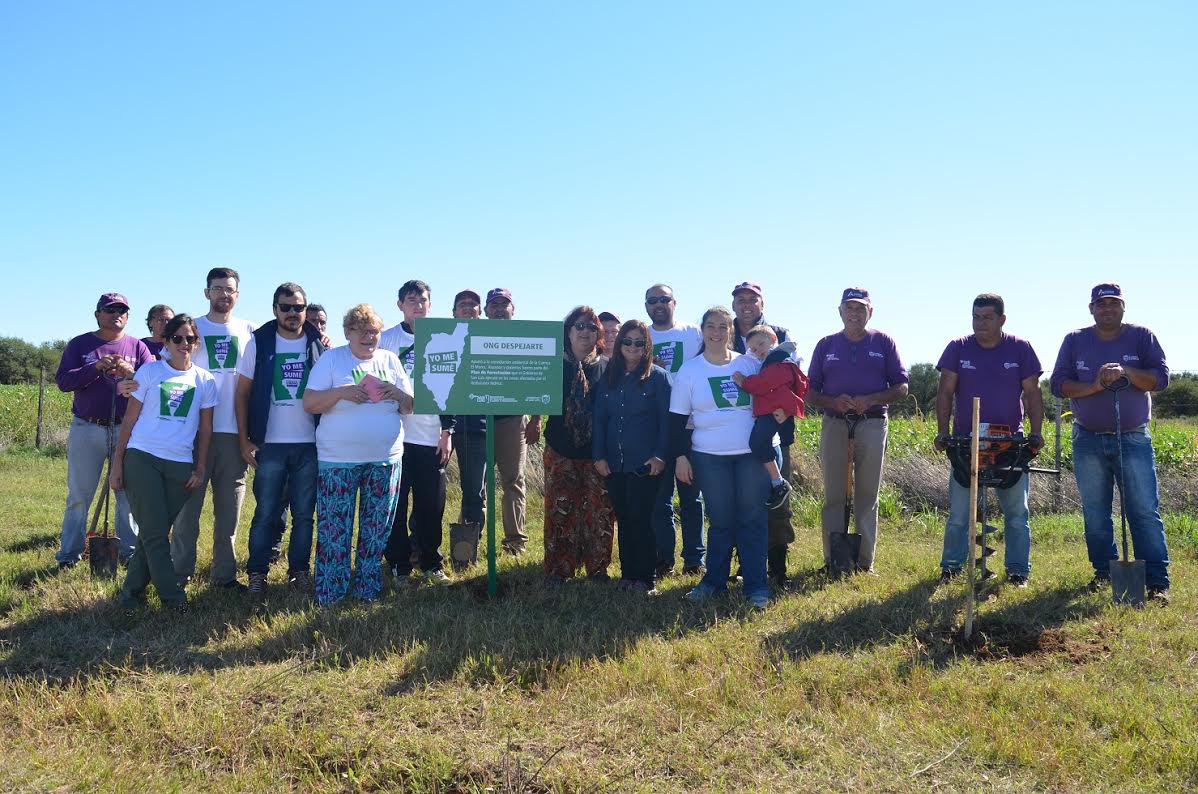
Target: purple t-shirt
pixel 1083 354
pixel 154 346
pixel 93 390
pixel 995 374
pixel 842 366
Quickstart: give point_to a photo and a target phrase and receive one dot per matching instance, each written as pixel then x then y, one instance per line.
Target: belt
pixel 866 415
pixel 100 422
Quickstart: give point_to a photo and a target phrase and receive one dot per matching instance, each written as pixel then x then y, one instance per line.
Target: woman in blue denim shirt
pixel 629 443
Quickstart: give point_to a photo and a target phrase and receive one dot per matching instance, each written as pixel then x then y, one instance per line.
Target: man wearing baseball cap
pixel 748 304
pixel 91 365
pixel 855 372
pixel 513 434
pixel 1112 354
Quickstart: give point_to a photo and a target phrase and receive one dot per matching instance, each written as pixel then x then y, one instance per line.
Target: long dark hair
pixel 618 366
pixel 585 313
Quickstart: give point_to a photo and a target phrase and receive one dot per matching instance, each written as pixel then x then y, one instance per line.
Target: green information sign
pixel 488 367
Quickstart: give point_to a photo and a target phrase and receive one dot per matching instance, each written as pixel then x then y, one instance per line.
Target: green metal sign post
pixel 488 367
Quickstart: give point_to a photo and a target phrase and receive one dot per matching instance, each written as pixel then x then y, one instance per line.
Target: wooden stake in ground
pixel 973 515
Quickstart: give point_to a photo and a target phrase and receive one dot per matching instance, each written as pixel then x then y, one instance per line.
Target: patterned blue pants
pixel 375 487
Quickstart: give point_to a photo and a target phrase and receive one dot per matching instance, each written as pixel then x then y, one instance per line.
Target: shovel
pixel 463 544
pixel 1127 576
pixel 102 548
pixel 846 545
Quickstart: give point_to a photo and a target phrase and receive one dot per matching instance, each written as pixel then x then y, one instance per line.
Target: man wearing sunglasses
pixel 223 340
pixel 277 436
pixel 673 344
pixel 91 365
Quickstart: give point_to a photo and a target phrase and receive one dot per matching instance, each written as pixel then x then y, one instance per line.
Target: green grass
pixel 860 685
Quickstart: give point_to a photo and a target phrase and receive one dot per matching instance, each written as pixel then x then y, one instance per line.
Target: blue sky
pixel 577 153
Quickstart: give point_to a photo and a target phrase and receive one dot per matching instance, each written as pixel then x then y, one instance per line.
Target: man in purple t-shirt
pixel 91 365
pixel 1000 369
pixel 1091 362
pixel 855 372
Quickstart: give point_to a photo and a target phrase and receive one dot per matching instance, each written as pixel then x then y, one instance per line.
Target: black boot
pixel 776 567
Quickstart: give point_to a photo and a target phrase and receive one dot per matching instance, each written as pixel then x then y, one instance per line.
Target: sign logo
pixel 222 351
pixel 175 399
pixel 726 393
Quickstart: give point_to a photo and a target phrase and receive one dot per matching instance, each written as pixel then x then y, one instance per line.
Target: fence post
pixel 41 399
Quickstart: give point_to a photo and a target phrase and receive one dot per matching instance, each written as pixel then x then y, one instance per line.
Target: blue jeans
pixel 735 489
pixel 471 449
pixel 87 453
pixel 690 505
pixel 285 472
pixel 1017 533
pixel 1096 467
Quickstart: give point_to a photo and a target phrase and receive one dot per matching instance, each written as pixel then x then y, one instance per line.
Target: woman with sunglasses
pixel 160 458
pixel 359 390
pixel 715 454
pixel 629 446
pixel 160 314
pixel 578 516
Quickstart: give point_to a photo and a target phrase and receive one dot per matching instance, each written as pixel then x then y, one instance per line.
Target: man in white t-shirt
pixel 223 339
pixel 673 344
pixel 277 436
pixel 428 442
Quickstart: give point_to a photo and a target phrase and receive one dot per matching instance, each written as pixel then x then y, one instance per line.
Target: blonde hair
pixel 763 330
pixel 361 316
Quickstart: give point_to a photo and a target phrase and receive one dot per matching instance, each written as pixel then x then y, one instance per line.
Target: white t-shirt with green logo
pixel 170 409
pixel 288 422
pixel 221 347
pixel 421 429
pixel 721 411
pixel 676 346
pixel 359 432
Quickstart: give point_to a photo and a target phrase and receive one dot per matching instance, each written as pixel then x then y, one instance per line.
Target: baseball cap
pixel 1108 290
pixel 466 293
pixel 499 292
pixel 856 294
pixel 111 299
pixel 749 285
pixel 605 316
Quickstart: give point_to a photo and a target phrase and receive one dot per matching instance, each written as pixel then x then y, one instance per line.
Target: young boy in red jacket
pixel 778 392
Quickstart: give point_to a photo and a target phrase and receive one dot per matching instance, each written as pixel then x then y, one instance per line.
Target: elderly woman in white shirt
pixel 359 390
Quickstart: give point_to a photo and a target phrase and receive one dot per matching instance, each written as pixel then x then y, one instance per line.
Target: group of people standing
pixel 648 410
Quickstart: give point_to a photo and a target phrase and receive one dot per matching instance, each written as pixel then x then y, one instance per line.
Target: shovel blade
pixel 846 549
pixel 102 556
pixel 463 544
pixel 1127 582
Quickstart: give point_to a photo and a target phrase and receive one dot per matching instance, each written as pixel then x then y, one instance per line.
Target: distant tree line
pixel 20 361
pixel 1179 399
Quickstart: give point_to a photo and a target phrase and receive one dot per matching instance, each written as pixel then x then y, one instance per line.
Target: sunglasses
pixel 115 310
pixel 298 308
pixel 581 326
pixel 633 342
pixel 658 299
pixel 178 339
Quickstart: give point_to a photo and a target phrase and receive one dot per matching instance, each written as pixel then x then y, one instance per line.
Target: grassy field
pixel 857 685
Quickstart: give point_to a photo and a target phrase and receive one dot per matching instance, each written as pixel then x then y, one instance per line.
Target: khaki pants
pixel 510 454
pixel 869 451
pixel 226 472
